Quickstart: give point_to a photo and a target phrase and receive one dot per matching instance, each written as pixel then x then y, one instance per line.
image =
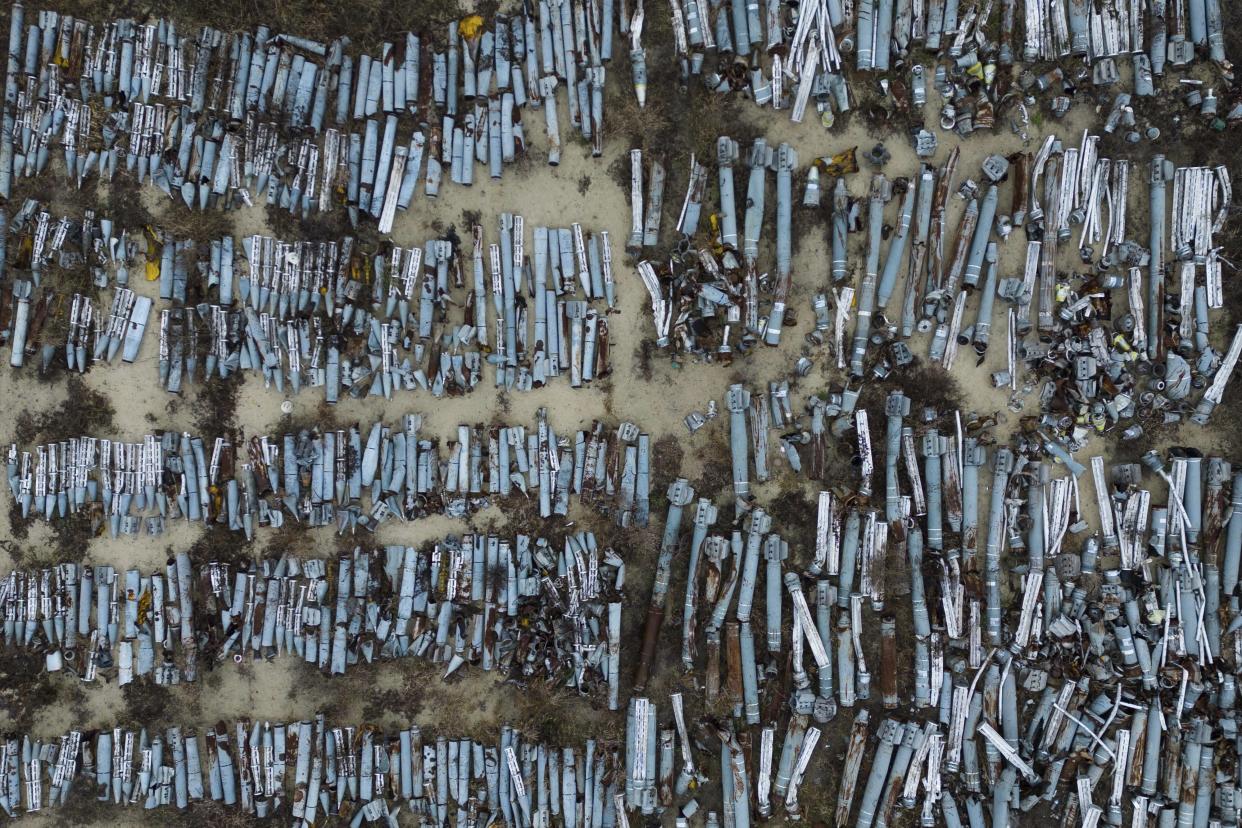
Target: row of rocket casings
pixel 1189 223
pixel 941 480
pixel 170 106
pixel 519 607
pixel 1078 187
pixel 807 431
pixel 324 314
pixel 331 477
pixel 877 30
pixel 783 57
pixel 311 771
pixel 961 711
pixel 1178 589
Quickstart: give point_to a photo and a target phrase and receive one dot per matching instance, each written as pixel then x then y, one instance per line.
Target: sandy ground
pixel 581 189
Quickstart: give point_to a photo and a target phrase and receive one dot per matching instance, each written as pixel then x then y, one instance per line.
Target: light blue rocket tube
pixel 896 250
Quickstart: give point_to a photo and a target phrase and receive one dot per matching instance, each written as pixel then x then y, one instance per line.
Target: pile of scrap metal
pixel 518 607
pixel 719 283
pixel 43 243
pixel 219 119
pixel 1103 351
pixel 320 313
pixel 323 477
pixel 43 247
pixel 1044 658
pixel 312 772
pixel 783 56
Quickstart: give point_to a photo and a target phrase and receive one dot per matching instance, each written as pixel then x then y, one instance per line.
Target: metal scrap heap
pixel 699 296
pixel 1090 671
pixel 1121 339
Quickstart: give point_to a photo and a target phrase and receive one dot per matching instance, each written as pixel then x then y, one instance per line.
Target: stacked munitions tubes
pixel 786 57
pixel 351 478
pixel 219 120
pixel 527 608
pixel 718 287
pixel 93 332
pixel 324 314
pixel 1106 363
pixel 1054 661
pixel 1074 653
pixel 656 780
pixel 264 99
pixel 314 771
pixel 1122 342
